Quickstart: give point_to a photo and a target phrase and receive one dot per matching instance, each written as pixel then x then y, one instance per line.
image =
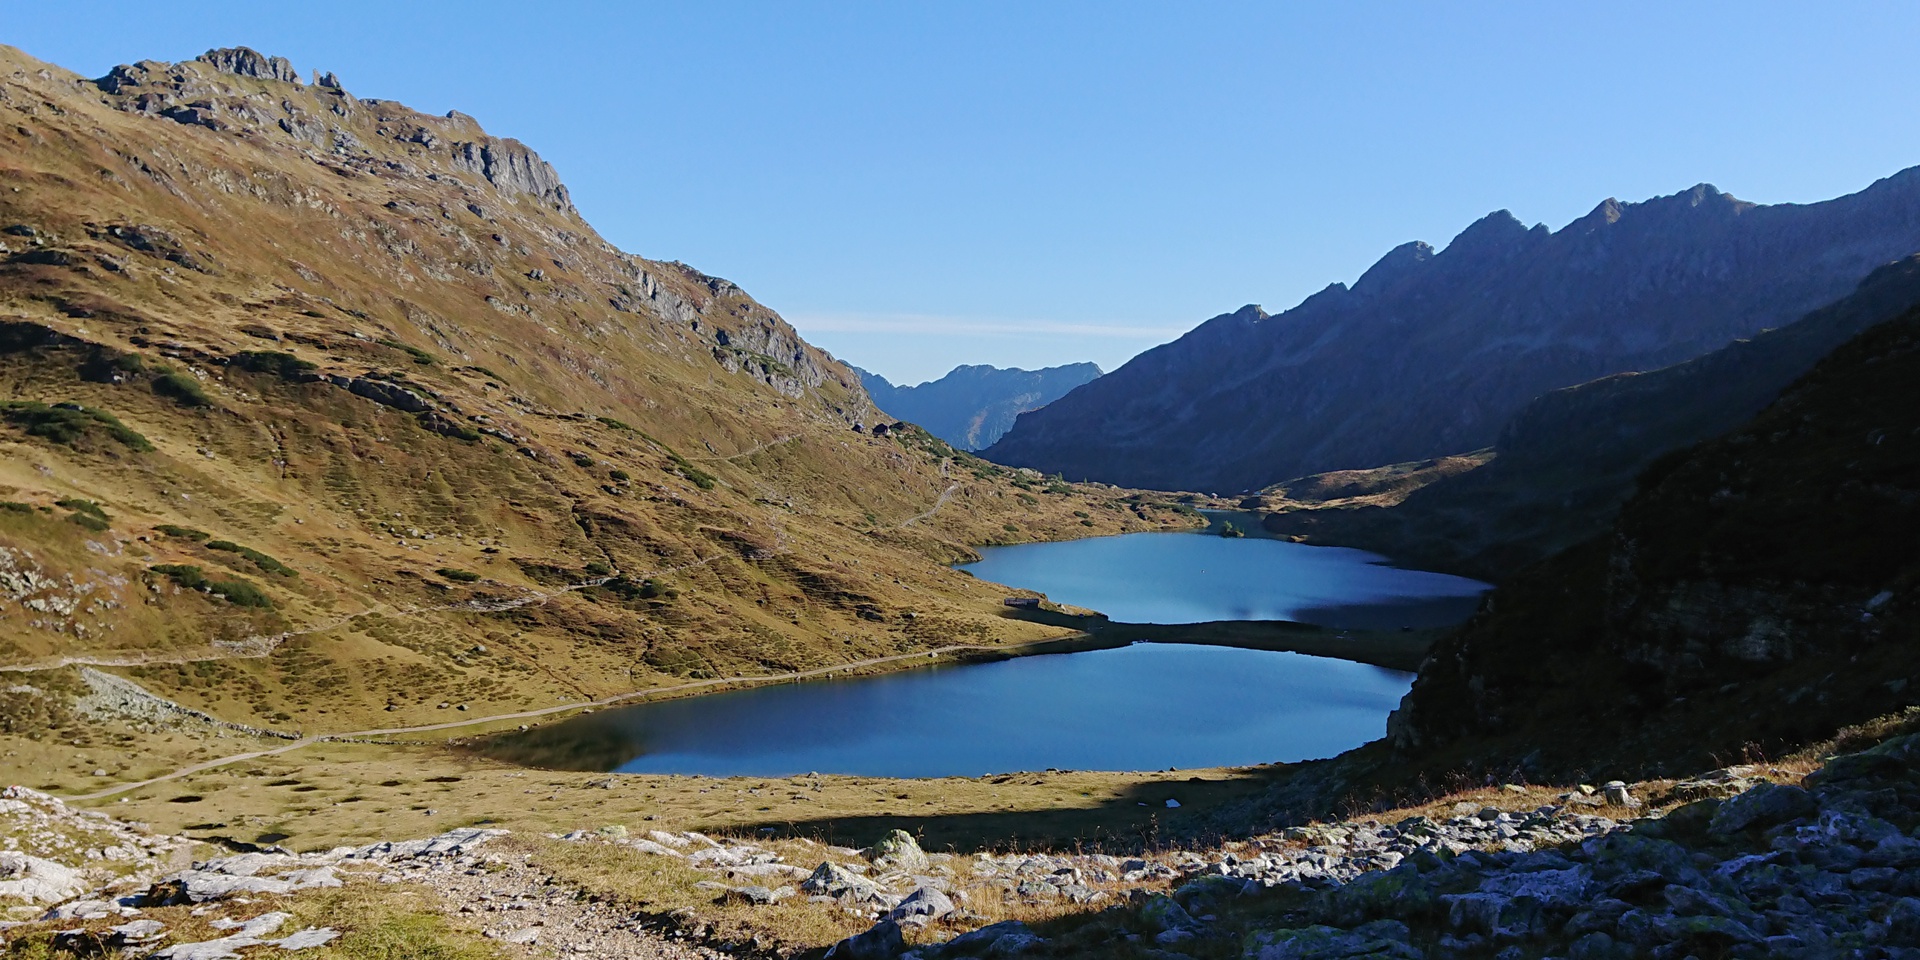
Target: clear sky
pixel 917 185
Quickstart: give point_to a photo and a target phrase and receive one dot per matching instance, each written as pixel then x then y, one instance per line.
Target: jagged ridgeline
pixel 310 402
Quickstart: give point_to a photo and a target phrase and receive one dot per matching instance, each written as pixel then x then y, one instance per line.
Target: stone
pixel 882 941
pixel 1162 912
pixel 1616 793
pixel 1384 940
pixel 307 938
pixel 36 880
pixel 899 851
pixel 1762 806
pixel 923 902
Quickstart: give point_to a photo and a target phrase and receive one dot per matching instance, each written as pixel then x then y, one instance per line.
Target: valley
pixel 392 566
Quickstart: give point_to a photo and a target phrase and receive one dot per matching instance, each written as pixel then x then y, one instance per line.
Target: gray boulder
pixel 899 851
pixel 923 902
pixel 1763 806
pixel 882 941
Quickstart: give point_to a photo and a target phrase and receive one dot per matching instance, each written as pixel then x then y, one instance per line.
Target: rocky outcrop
pixel 973 405
pixel 1432 353
pixel 247 62
pixel 513 169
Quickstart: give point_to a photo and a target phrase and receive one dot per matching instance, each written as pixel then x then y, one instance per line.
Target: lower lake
pixel 1146 706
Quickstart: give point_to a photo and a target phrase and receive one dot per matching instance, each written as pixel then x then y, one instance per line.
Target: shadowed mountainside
pixel 1566 461
pixel 1757 593
pixel 1431 353
pixel 973 405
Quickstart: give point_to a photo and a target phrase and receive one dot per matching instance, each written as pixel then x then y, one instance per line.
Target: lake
pixel 1146 706
pixel 1195 577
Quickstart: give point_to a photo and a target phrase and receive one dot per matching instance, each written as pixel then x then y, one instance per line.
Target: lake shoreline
pixel 1402 650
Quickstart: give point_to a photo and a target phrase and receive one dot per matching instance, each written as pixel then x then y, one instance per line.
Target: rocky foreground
pixel 1747 864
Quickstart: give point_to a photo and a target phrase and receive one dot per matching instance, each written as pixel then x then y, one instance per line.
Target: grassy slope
pixel 753 529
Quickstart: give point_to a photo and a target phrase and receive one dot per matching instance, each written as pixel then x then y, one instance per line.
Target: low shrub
pixel 182 388
pixel 66 423
pixel 700 478
pixel 240 593
pixel 457 575
pixel 419 356
pixel 258 559
pixel 82 506
pixel 283 365
pixel 182 533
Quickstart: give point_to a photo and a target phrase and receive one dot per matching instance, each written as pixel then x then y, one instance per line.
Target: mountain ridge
pixel 1430 352
pixel 972 405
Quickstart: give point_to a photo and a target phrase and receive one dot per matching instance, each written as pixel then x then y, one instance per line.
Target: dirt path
pixel 308 741
pixel 945 496
pixel 750 451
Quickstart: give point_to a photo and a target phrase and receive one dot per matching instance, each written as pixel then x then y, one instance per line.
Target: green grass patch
pixel 182 389
pixel 240 593
pixel 700 478
pixel 283 365
pixel 419 356
pixel 258 559
pixel 67 423
pixel 82 506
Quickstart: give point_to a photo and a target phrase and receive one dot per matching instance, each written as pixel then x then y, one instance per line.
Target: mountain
pixel 1757 592
pixel 319 413
pixel 1564 464
pixel 1431 353
pixel 974 404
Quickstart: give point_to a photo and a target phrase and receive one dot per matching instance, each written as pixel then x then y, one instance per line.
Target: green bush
pixel 16 506
pixel 182 388
pixel 68 422
pixel 1010 528
pixel 620 475
pixel 258 559
pixel 419 356
pixel 457 575
pixel 599 569
pixel 283 365
pixel 182 533
pixel 82 506
pixel 240 593
pixel 700 478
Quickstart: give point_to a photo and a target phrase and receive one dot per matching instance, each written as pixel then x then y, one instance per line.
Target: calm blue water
pixel 1194 577
pixel 1144 707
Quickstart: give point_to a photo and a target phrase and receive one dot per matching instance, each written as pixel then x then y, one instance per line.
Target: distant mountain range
pixel 973 405
pixel 1432 353
pixel 1565 463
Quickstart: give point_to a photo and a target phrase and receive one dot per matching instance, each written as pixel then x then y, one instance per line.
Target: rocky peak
pixel 1497 234
pixel 248 62
pixel 1397 265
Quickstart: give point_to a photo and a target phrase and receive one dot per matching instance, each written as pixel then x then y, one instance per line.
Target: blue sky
pixel 917 185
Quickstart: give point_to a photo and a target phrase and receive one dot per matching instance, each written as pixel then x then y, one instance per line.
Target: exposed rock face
pixel 247 62
pixel 973 405
pixel 1756 593
pixel 1432 353
pixel 1567 460
pixel 513 169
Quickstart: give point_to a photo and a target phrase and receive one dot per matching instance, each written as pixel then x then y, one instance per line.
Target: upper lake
pixel 1195 577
